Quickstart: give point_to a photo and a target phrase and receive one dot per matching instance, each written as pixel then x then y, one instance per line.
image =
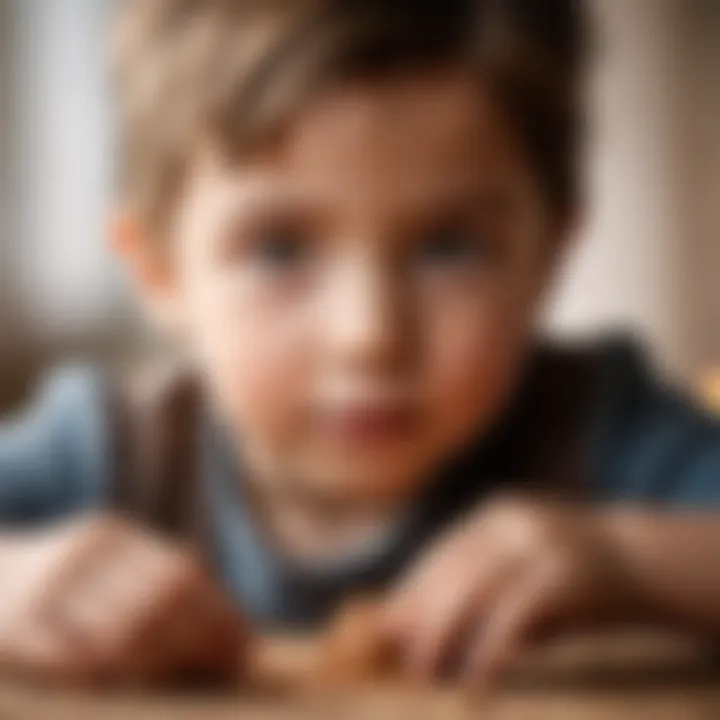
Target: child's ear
pixel 150 268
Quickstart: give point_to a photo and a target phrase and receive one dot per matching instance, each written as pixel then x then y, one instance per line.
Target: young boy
pixel 347 213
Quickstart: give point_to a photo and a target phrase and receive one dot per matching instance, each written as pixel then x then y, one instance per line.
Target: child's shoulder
pixel 85 431
pixel 649 439
pixel 608 357
pixel 54 451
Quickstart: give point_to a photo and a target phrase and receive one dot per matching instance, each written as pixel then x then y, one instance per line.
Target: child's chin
pixel 370 481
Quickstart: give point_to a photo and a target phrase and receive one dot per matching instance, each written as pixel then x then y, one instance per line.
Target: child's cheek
pixel 256 361
pixel 250 343
pixel 476 355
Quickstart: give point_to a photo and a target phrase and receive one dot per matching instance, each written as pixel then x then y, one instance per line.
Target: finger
pixel 468 536
pixel 407 597
pixel 84 623
pixel 453 608
pixel 404 600
pixel 37 651
pixel 221 636
pixel 500 639
pixel 75 623
pixel 199 637
pixel 112 610
pixel 56 641
pixel 438 625
pixel 107 605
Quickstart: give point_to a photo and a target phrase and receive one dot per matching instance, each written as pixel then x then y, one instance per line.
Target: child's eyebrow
pixel 262 189
pixel 266 197
pixel 255 201
pixel 477 196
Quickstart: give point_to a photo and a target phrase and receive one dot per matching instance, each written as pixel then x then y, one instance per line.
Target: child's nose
pixel 365 318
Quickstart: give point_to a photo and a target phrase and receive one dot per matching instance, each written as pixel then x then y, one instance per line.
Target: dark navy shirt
pixel 649 444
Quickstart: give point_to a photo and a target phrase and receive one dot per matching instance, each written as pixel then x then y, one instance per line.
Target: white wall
pixel 649 259
pixel 7 289
pixel 62 165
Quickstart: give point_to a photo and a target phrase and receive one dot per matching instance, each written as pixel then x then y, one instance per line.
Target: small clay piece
pixel 356 650
pixel 352 652
pixel 284 663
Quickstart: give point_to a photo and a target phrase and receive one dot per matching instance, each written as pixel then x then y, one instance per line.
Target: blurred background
pixel 648 258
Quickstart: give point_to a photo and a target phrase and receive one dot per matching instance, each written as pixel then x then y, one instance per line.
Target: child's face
pixel 360 297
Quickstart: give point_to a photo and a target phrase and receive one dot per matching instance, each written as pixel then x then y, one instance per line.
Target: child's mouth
pixel 370 424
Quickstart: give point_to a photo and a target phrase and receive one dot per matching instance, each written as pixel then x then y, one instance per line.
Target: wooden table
pixel 629 677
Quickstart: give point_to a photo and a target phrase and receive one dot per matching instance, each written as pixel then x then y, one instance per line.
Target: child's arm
pixel 98 601
pixel 94 599
pixel 516 569
pixel 674 562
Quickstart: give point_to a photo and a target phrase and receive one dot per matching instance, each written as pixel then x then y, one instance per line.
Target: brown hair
pixel 234 71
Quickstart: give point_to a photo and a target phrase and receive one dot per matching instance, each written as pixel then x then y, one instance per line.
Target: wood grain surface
pixel 628 676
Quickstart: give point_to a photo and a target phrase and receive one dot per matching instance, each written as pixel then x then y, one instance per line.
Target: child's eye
pixel 280 248
pixel 453 246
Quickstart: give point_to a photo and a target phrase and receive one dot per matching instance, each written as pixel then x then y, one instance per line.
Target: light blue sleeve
pixel 55 455
pixel 653 443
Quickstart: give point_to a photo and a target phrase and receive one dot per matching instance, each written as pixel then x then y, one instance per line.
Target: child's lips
pixel 370 423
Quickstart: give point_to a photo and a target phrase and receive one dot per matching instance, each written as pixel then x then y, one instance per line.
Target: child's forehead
pixel 450 99
pixel 417 117
pixel 419 136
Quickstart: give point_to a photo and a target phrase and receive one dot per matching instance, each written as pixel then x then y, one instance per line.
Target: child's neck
pixel 312 528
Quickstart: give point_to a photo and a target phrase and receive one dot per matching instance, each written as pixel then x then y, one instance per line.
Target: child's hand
pixel 508 572
pixel 102 601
